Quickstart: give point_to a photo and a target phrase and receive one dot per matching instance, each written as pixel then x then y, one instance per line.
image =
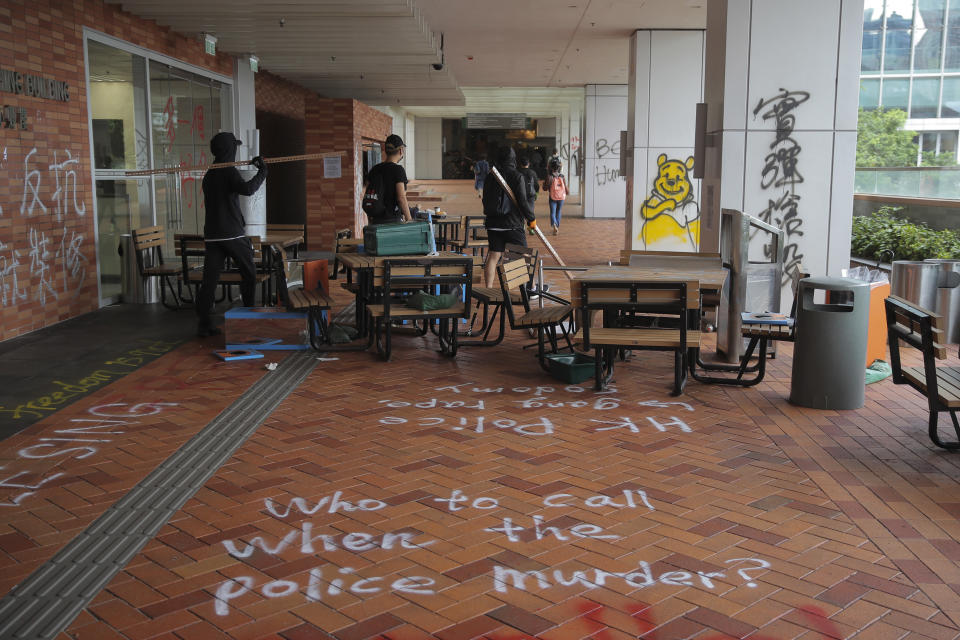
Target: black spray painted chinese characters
pixel 781 175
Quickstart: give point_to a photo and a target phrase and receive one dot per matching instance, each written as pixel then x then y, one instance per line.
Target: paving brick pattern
pixel 374 503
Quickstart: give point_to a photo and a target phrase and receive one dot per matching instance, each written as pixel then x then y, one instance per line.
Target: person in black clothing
pixel 393 177
pixel 531 181
pixel 223 229
pixel 504 220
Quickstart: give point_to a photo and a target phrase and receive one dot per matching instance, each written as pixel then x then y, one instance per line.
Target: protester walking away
pixel 505 220
pixel 224 235
pixel 531 182
pixel 385 187
pixel 480 170
pixel 554 157
pixel 557 189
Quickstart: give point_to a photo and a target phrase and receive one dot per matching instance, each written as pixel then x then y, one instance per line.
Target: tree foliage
pixel 884 230
pixel 882 141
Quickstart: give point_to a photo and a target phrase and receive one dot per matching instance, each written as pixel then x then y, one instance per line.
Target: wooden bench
pixel 617 299
pixel 191 249
pixel 398 277
pixel 923 330
pixel 148 243
pixel 288 230
pixel 472 236
pixel 296 298
pixel 514 277
pixel 343 242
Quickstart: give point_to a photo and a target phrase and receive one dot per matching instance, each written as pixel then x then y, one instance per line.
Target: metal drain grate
pixel 51 597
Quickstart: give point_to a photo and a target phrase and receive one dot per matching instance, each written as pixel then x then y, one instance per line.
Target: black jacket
pixel 220 190
pixel 499 211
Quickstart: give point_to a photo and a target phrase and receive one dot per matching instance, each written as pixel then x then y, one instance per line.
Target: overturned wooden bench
pixel 923 329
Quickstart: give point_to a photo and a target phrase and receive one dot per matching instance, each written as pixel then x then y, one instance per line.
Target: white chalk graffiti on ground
pixel 345 580
pixel 74 443
pixel 505 578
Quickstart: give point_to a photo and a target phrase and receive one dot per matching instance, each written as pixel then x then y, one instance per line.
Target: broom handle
pixel 238 163
pixel 543 238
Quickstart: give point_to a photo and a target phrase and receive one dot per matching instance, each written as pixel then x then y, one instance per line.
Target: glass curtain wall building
pixel 911 61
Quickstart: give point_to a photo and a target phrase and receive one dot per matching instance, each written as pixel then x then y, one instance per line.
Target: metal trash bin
pixel 948 297
pixel 830 344
pixel 916 281
pixel 133 288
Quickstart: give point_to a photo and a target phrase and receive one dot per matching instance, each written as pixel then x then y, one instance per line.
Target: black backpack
pixel 373 198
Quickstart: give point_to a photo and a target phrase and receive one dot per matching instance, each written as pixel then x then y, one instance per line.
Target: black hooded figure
pixel 223 230
pixel 504 220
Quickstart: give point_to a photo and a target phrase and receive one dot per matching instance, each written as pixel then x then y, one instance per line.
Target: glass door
pixel 118 120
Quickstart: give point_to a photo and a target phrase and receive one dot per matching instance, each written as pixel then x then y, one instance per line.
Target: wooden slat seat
pixel 667 339
pixel 948 383
pixel 300 298
pixel 377 311
pixel 494 295
pixel 544 315
pixel 161 270
pixel 771 331
pixel 922 329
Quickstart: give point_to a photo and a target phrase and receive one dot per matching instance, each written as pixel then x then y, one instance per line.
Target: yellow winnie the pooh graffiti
pixel 670 218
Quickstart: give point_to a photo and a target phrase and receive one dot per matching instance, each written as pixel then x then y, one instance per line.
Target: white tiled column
pixel 782 91
pixel 665 85
pixel 604 194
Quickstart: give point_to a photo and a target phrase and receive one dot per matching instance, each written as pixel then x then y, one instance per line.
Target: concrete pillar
pixel 665 85
pixel 254 208
pixel 604 195
pixel 782 88
pixel 573 159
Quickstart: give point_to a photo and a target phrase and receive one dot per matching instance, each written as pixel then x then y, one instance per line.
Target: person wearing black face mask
pixel 223 231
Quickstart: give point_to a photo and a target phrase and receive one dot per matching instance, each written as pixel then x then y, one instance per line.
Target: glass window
pixel 896 55
pixel 869 94
pixel 117 108
pixel 925 98
pixel 950 102
pixel 895 93
pixel 952 57
pixel 927 45
pixel 899 14
pixel 948 142
pixel 870 56
pixel 872 15
pixel 953 16
pixel 930 14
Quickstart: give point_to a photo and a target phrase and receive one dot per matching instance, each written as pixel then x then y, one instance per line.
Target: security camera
pixel 437 66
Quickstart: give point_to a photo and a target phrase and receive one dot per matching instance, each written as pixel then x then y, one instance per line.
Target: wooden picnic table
pixel 711 278
pixel 283 241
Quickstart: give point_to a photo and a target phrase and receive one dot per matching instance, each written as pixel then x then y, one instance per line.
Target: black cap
pixel 394 143
pixel 224 143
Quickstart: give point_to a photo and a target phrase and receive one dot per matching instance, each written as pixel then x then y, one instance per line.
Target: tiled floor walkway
pixel 477 497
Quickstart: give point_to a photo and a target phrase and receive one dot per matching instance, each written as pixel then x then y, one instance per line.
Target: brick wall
pixel 280 97
pixel 47 235
pixel 338 125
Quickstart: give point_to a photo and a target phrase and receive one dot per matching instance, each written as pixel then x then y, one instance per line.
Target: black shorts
pixel 498 240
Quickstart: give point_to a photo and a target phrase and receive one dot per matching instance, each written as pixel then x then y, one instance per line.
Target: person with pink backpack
pixel 556 187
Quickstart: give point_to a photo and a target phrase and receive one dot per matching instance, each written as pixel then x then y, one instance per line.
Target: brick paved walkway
pixel 480 498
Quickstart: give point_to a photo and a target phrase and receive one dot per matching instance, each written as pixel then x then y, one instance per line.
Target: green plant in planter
pixel 883 231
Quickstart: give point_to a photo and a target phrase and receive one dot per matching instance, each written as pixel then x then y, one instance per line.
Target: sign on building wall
pixel 496 121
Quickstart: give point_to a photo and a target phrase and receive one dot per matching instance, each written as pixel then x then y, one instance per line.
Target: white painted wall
pixel 606 115
pixel 254 208
pixel 666 83
pixel 429 148
pixel 403 126
pixel 756 50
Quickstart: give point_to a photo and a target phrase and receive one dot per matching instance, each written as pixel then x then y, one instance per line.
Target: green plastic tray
pixel 571 368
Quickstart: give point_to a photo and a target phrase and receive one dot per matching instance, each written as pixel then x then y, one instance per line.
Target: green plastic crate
pixel 571 368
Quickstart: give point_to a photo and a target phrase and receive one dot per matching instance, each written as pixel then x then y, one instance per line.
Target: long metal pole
pixel 238 163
